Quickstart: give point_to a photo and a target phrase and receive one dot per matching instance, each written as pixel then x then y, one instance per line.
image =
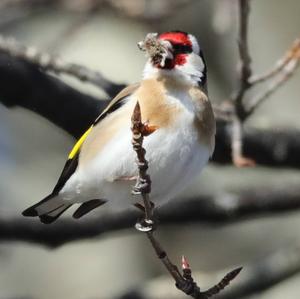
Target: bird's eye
pixel 179 48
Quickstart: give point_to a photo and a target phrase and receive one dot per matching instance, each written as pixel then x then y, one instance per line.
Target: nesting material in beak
pixel 156 49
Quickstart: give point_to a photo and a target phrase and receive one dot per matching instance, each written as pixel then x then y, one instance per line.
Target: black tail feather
pixel 88 206
pixel 47 219
pixel 48 209
pixel 31 211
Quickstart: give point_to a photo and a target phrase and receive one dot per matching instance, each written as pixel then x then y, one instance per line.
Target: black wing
pixel 72 162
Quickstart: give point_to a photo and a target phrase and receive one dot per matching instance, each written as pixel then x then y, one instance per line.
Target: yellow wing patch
pixel 78 144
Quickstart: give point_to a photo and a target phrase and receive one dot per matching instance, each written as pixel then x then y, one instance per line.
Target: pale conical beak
pixel 156 49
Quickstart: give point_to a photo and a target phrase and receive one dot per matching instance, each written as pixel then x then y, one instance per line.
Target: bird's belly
pixel 175 157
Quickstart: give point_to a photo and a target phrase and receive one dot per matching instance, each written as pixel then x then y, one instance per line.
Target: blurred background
pixel 103 35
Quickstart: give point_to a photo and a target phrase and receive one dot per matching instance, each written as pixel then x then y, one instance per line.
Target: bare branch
pixel 245 60
pixel 291 54
pixel 24 85
pixel 143 182
pixel 245 71
pixel 255 278
pixel 184 281
pixel 286 70
pixel 238 158
pixel 207 209
pixel 57 65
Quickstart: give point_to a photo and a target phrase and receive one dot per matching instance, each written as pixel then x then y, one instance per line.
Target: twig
pixel 291 54
pixel 245 60
pixel 70 31
pixel 143 182
pixel 183 281
pixel 224 111
pixel 57 65
pixel 257 277
pixel 285 71
pixel 24 85
pixel 244 74
pixel 238 158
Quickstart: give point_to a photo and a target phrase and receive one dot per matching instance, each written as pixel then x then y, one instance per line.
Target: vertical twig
pixel 143 182
pixel 244 74
pixel 245 59
pixel 238 158
pixel 280 74
pixel 183 282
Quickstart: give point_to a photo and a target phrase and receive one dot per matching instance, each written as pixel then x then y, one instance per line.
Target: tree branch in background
pixel 238 110
pixel 256 277
pixel 273 148
pixel 292 54
pixel 54 64
pixel 74 112
pixel 245 59
pixel 241 110
pixel 183 281
pixel 285 68
pixel 24 85
pixel 214 210
pixel 238 158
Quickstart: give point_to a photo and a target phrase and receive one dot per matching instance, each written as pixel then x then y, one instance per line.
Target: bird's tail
pixel 48 209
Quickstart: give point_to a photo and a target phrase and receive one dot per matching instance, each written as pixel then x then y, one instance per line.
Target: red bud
pixel 184 263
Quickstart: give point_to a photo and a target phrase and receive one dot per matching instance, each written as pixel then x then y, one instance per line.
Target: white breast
pixel 174 154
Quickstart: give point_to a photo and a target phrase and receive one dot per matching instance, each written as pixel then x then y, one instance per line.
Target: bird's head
pixel 174 53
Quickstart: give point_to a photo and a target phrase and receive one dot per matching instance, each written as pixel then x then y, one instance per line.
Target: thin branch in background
pixel 237 99
pixel 292 54
pixel 286 69
pixel 224 111
pixel 238 158
pixel 57 65
pixel 245 59
pixel 183 281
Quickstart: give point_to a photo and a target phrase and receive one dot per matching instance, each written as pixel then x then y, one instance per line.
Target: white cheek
pixel 193 67
pixel 195 45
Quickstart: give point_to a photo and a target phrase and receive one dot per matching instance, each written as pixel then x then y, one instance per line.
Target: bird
pixel 173 99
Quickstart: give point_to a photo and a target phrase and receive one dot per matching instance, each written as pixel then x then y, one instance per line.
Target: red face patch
pixel 176 38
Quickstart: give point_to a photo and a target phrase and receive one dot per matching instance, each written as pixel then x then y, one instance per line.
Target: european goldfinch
pixel 173 98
